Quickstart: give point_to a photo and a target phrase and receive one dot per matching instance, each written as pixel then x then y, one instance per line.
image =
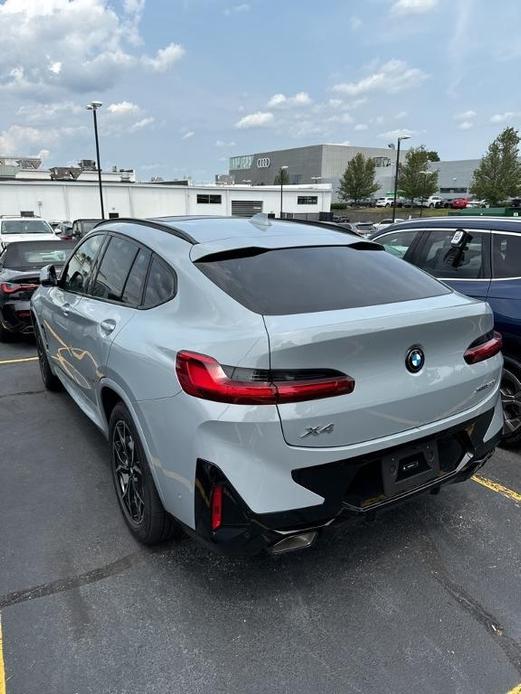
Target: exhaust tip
pixel 294 542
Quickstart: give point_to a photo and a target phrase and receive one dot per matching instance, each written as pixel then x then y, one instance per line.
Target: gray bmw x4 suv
pixel 260 380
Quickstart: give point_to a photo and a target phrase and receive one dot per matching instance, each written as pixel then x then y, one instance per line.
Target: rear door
pixel 504 295
pixel 470 274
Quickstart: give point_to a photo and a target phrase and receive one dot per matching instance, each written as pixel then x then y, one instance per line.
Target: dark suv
pixel 484 262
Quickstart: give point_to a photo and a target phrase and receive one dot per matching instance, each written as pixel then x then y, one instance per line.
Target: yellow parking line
pixel 505 491
pixel 18 361
pixel 2 669
pixel 516 690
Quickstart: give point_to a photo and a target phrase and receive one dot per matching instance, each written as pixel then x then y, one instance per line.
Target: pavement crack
pixel 510 647
pixel 22 392
pixel 64 584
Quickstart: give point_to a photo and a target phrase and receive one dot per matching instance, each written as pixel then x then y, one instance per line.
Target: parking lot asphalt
pixel 425 598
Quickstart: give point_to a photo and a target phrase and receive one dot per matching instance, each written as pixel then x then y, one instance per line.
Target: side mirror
pixel 48 277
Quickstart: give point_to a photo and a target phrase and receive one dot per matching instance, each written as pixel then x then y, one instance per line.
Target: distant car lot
pixel 85 609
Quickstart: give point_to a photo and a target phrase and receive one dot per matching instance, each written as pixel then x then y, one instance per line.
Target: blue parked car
pixel 484 261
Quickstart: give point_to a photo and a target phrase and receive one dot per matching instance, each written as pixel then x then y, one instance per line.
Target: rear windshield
pixel 36 254
pixel 320 278
pixel 25 226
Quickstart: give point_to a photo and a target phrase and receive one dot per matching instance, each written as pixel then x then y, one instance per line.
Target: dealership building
pixel 327 163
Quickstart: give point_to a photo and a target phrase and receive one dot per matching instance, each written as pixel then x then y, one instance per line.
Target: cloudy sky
pixel 187 83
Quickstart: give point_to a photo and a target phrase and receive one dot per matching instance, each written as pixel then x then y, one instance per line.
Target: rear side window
pixel 506 255
pixel 114 269
pixel 323 278
pixel 135 284
pixel 161 284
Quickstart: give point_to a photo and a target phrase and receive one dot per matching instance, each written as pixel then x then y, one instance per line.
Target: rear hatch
pixel 371 345
pixel 358 310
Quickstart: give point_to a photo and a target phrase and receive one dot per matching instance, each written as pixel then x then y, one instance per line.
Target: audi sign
pixel 263 163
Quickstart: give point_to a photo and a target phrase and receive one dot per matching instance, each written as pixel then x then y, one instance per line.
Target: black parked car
pixel 79 228
pixel 20 265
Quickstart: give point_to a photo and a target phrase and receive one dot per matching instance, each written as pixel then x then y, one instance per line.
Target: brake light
pixel 12 287
pixel 485 347
pixel 203 377
pixel 217 507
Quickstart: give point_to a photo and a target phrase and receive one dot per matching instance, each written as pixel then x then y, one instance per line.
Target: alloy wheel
pixel 128 471
pixel 511 399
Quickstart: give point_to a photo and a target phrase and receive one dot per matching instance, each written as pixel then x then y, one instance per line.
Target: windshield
pixel 25 226
pixel 29 255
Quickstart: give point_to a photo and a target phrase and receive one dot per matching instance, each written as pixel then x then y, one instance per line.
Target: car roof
pixel 464 222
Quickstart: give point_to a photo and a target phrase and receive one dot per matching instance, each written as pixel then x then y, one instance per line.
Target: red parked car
pixel 459 203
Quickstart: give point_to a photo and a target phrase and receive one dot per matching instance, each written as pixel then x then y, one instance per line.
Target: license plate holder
pixel 409 467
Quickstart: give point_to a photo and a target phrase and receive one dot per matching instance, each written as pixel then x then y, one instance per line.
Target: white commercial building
pixel 69 200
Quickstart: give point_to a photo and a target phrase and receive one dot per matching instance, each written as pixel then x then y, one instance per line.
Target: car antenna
pixel 261 220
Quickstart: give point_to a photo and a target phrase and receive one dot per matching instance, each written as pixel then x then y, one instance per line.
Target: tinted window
pixel 506 255
pixel 324 278
pixel 114 269
pixel 26 226
pixel 37 254
pixel 203 199
pixel 397 242
pixel 441 259
pixel 161 284
pixel 133 291
pixel 79 269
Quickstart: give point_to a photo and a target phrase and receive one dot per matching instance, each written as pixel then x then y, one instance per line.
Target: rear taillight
pixel 484 347
pixel 203 377
pixel 217 507
pixel 12 287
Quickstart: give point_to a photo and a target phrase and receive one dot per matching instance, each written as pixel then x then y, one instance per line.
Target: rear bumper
pixel 15 317
pixel 350 488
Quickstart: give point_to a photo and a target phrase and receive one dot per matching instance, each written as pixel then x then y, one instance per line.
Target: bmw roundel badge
pixel 415 360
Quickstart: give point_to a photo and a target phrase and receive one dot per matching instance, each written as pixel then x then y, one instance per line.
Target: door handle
pixel 107 326
pixel 65 308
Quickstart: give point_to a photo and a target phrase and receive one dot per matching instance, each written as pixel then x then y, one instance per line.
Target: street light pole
pixel 93 106
pixel 281 174
pixel 405 137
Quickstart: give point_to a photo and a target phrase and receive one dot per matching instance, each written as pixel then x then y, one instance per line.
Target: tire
pixel 50 381
pixel 136 492
pixel 511 398
pixel 431 206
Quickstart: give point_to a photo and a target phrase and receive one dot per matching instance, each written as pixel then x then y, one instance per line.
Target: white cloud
pixel 123 108
pixel 361 126
pixel 356 23
pixel 255 120
pixel 466 125
pixel 140 124
pixel 391 77
pixel 399 132
pixel 299 99
pixel 413 6
pixel 344 118
pixel 465 115
pixel 243 7
pixel 20 139
pixel 221 143
pixel 502 117
pixel 188 135
pixel 400 115
pixel 164 58
pixel 73 45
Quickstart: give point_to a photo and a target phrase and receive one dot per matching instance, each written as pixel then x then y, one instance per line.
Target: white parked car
pixel 477 203
pixel 433 201
pixel 388 201
pixel 24 229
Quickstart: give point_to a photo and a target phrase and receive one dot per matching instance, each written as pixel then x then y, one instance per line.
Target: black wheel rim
pixel 128 471
pixel 511 399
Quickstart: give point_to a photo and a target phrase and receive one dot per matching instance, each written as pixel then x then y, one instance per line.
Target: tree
pixel 498 175
pixel 414 179
pixel 432 155
pixel 283 174
pixel 358 181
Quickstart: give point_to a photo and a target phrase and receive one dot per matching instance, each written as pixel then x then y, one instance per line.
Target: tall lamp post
pixel 94 106
pixel 281 174
pixel 405 137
